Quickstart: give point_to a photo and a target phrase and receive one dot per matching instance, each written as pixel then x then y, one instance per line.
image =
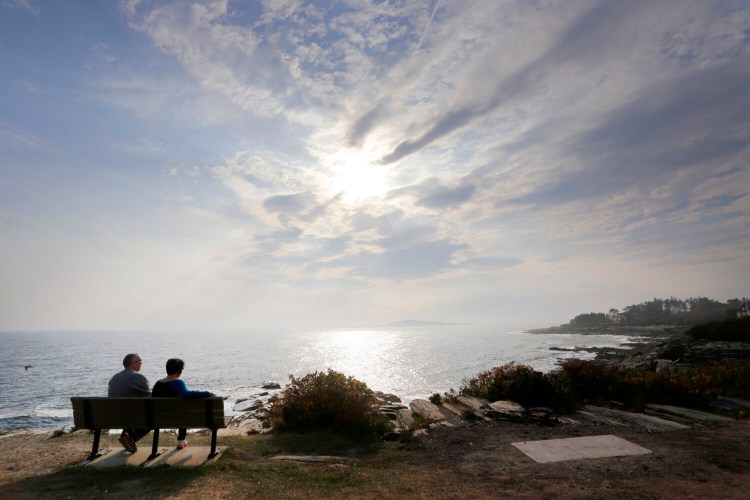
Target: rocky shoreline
pixel 667 348
pixel 654 331
pixel 681 351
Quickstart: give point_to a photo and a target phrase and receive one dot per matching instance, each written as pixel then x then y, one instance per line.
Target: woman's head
pixel 175 366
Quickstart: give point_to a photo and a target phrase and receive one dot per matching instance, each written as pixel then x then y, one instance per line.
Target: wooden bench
pixel 148 413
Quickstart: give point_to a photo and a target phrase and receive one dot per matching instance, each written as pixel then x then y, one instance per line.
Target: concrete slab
pixel 190 456
pixel 559 450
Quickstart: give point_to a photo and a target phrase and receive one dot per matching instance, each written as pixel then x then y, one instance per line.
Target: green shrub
pixel 468 414
pixel 450 396
pixel 436 399
pixel 328 401
pixel 58 432
pixel 727 330
pixel 519 383
pixel 585 382
pixel 725 378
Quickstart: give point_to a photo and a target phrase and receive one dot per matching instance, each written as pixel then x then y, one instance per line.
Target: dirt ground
pixel 708 462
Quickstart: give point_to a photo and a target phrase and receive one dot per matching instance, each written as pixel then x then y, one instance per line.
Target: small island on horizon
pixel 418 322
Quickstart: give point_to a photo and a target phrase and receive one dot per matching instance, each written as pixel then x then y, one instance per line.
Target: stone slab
pixel 473 402
pixel 646 421
pixel 506 406
pixel 559 450
pixel 427 410
pixel 689 413
pixel 311 458
pixel 190 456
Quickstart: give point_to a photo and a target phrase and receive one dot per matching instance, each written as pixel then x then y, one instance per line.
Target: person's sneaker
pixel 127 442
pixel 182 443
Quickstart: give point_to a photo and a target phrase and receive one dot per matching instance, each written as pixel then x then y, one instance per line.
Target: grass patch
pixel 728 330
pixel 244 470
pixel 117 482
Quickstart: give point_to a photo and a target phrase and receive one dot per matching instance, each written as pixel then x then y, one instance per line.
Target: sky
pixel 284 163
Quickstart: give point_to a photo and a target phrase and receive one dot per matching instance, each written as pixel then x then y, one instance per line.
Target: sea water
pixel 409 362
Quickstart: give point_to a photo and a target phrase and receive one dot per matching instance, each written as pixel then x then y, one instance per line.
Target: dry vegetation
pixel 472 460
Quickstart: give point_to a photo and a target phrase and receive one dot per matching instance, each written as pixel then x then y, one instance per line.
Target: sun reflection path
pixel 376 357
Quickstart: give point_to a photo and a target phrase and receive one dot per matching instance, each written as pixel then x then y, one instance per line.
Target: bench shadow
pixel 80 481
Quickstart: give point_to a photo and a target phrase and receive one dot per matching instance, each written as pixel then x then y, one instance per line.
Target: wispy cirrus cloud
pixel 466 154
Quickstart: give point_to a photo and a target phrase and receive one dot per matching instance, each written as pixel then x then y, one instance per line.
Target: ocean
pixel 410 362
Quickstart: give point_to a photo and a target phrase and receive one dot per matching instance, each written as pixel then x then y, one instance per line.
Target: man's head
pixel 132 361
pixel 175 366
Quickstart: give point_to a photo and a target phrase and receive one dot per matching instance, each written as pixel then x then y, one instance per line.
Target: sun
pixel 356 177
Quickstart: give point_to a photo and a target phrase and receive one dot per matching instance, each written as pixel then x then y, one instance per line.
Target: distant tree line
pixel 692 311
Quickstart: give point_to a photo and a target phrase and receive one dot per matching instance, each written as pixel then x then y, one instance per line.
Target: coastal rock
pixel 261 413
pixel 419 433
pixel 664 365
pixel 271 385
pixel 470 405
pixel 387 398
pixel 256 405
pixel 428 411
pixel 507 408
pixel 455 409
pixel 648 422
pixel 685 413
pixel 405 418
pixel 476 404
pixel 252 426
pixel 681 351
pixel 392 411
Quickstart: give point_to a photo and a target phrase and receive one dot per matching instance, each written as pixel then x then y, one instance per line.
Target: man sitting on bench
pixel 130 383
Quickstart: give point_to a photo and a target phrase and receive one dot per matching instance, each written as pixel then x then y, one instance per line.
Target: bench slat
pixel 104 413
pixel 140 420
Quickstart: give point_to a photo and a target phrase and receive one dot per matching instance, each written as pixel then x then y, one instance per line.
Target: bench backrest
pixel 148 413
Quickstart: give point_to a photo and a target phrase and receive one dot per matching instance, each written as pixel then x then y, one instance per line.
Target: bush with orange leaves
pixel 579 382
pixel 328 401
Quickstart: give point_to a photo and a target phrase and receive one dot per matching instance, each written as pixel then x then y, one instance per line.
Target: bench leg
pixel 213 443
pixel 95 447
pixel 154 445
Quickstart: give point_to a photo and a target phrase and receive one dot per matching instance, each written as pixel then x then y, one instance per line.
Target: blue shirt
pixel 177 388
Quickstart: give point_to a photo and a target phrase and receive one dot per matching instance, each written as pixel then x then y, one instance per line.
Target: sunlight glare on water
pixel 410 362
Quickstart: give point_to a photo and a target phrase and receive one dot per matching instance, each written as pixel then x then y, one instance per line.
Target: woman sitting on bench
pixel 173 386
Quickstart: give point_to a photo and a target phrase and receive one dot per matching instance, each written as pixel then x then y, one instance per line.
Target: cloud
pixel 489 263
pixel 224 58
pixel 24 5
pixel 290 204
pixel 447 197
pixel 17 137
pixel 414 261
pixel 585 41
pixel 363 125
pixel 658 133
